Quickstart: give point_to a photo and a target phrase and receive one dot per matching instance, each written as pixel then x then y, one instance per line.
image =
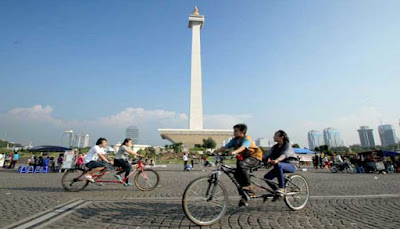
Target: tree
pixel 209 143
pixel 150 152
pixel 177 147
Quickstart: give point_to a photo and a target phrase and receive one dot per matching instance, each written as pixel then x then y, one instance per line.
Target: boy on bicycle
pixel 91 159
pixel 251 155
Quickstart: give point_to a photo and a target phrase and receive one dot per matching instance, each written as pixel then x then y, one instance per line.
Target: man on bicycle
pixel 91 159
pixel 282 156
pixel 250 154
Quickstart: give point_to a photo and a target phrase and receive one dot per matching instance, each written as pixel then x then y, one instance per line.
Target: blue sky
pixel 292 65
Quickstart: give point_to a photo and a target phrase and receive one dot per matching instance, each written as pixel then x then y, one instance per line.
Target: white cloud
pixel 37 123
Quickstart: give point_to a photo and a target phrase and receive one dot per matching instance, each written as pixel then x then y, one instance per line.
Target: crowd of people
pixel 10 160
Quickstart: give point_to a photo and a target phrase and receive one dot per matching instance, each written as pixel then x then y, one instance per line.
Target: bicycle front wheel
pixel 74 181
pixel 205 202
pixel 147 180
pixel 297 192
pixel 350 169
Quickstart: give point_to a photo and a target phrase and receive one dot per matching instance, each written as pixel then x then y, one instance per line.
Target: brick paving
pixel 116 206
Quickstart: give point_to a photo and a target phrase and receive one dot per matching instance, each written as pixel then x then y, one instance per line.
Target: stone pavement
pixel 338 201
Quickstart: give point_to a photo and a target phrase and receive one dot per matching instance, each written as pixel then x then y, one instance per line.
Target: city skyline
pixel 108 68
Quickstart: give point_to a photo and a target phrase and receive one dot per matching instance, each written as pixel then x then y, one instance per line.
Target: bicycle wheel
pixel 350 169
pixel 334 169
pixel 147 180
pixel 200 206
pixel 74 181
pixel 297 192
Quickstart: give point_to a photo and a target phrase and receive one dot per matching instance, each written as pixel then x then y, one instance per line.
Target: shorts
pixel 96 164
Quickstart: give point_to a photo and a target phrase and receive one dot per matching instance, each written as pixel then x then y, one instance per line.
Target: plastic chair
pixel 44 169
pixel 30 169
pixel 21 169
pixel 37 170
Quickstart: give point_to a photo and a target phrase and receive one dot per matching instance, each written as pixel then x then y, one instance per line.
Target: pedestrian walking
pixel 185 159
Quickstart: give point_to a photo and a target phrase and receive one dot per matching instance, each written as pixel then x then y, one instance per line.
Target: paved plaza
pixel 337 201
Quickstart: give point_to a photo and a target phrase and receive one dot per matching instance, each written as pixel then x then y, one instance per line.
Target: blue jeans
pixel 278 171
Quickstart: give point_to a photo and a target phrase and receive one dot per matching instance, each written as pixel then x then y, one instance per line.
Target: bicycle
pixel 346 166
pixel 145 179
pixel 208 203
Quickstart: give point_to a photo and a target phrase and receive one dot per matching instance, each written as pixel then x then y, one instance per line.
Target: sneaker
pixel 89 178
pixel 280 192
pixel 243 203
pixel 128 184
pixel 118 177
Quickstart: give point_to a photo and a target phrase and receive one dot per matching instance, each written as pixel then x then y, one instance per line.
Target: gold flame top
pixel 195 11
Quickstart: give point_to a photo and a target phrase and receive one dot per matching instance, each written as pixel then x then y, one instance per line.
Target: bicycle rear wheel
pixel 147 180
pixel 74 181
pixel 297 192
pixel 200 205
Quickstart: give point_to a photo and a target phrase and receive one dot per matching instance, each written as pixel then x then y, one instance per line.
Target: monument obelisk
pixel 196 102
pixel 195 134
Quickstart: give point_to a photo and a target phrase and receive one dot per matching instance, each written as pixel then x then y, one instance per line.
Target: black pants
pixel 192 163
pixel 184 165
pixel 243 167
pixel 126 167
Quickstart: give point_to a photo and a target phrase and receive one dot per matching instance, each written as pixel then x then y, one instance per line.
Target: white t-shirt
pixel 339 158
pixel 185 158
pixel 93 154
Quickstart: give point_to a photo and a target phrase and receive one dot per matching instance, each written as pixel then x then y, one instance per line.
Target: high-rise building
pixel 387 135
pixel 262 142
pixel 132 132
pixel 332 137
pixel 315 139
pixel 84 141
pixel 68 138
pixel 366 136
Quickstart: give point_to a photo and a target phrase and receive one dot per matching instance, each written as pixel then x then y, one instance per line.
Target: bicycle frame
pixel 214 176
pixel 139 167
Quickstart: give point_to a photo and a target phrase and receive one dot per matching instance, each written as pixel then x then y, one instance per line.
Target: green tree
pixel 150 152
pixel 177 147
pixel 296 145
pixel 209 143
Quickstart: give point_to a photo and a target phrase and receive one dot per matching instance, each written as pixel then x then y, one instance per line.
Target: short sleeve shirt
pixel 122 153
pixel 251 149
pixel 93 154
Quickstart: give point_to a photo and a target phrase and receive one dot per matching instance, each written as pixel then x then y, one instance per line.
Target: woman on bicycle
pixel 282 156
pixel 122 160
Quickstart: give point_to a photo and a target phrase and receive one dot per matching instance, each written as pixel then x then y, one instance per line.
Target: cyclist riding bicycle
pixel 91 159
pixel 122 160
pixel 250 155
pixel 282 156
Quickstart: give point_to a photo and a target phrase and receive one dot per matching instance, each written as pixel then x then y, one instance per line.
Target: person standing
pixel 60 161
pixel 192 160
pixel 185 159
pixel 79 161
pixel 14 160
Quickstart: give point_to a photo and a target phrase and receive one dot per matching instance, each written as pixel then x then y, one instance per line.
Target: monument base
pixel 190 138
